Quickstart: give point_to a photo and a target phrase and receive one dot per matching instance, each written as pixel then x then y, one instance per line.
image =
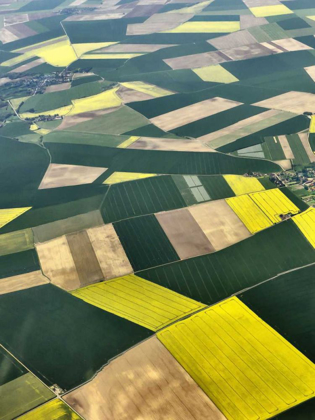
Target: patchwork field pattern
pixel 268 383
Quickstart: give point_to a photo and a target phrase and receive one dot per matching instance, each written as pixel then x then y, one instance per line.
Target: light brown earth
pixel 219 223
pixel 306 144
pixel 145 383
pixel 184 233
pixel 258 3
pixel 291 44
pixel 57 263
pixel 297 102
pixel 88 268
pixel 248 51
pixel 48 231
pixel 129 95
pixel 285 164
pixel 191 113
pixel 22 281
pixel 13 19
pixel 158 22
pixel 96 16
pixel 311 72
pixel 28 66
pixel 135 48
pixel 70 121
pixel 273 47
pixel 234 40
pixel 58 88
pixel 59 175
pixel 197 60
pixel 248 21
pixel 79 75
pixel 7 36
pixel 21 30
pixel 286 147
pixel 109 252
pixel 156 143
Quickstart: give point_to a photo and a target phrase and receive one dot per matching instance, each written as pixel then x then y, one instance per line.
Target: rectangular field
pixel 22 281
pixel 243 185
pixel 306 223
pixel 224 350
pixel 55 409
pixel 139 301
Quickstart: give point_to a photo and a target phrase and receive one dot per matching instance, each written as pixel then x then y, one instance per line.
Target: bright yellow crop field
pixel 143 87
pixel 274 203
pixel 250 214
pixel 216 74
pixel 306 223
pixel 117 177
pixel 265 11
pixel 128 142
pixel 81 49
pixel 56 410
pixel 206 27
pixel 139 300
pixel 246 368
pixel 243 185
pixel 7 215
pixel 107 99
pixel 312 125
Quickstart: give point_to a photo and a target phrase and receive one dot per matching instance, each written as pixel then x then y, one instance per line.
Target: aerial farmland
pixel 157 209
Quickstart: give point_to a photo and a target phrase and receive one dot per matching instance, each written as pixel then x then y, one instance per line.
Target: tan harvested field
pixel 197 60
pixel 21 282
pixel 158 22
pixel 13 19
pixel 59 175
pixel 307 147
pixel 135 48
pixel 21 30
pixel 57 263
pixel 247 51
pixel 184 233
pixel 28 66
pixel 96 16
pixel 191 113
pixel 219 223
pixel 273 47
pixel 286 147
pixel 109 252
pixel 71 120
pixel 88 268
pixel 79 75
pixel 4 80
pixel 285 164
pixel 248 21
pixel 291 44
pixel 129 95
pixel 48 231
pixel 58 88
pixel 155 143
pixel 143 10
pixel 257 3
pixel 234 40
pixel 311 72
pixel 7 36
pixel 145 383
pixel 297 102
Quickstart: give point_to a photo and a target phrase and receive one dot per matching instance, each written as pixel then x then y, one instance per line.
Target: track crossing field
pixel 245 367
pixel 139 301
pixel 306 223
pixel 243 185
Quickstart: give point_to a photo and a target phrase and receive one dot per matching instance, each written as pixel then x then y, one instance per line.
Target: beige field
pixel 285 164
pixel 248 21
pixel 234 40
pixel 14 19
pixel 129 95
pixel 197 60
pixel 286 147
pixel 273 47
pixel 311 72
pixel 7 36
pixel 85 260
pixel 145 383
pixel 158 22
pixel 135 48
pixel 297 102
pixel 184 233
pixel 59 175
pixel 58 88
pixel 191 113
pixel 156 143
pixel 247 51
pixel 71 120
pixel 57 263
pixel 291 44
pixel 109 252
pixel 219 223
pixel 307 147
pixel 28 66
pixel 21 282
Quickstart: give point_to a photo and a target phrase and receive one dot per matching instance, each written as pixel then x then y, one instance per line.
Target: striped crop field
pixel 243 185
pixel 139 301
pixel 117 177
pixel 247 369
pixel 274 204
pixel 250 214
pixel 306 223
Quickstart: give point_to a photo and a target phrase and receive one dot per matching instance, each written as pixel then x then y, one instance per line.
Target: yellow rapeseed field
pixel 143 87
pixel 249 213
pixel 107 99
pixel 312 125
pixel 139 301
pixel 128 142
pixel 265 11
pixel 206 27
pixel 246 368
pixel 274 203
pixel 216 74
pixel 243 185
pixel 55 409
pixel 117 177
pixel 81 49
pixel 7 215
pixel 306 223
